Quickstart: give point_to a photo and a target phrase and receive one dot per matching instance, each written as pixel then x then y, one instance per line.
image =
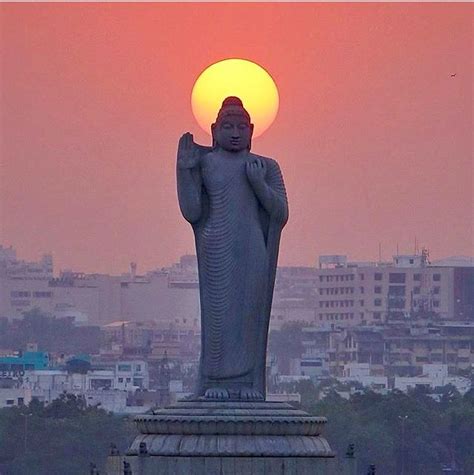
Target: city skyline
pixel 374 132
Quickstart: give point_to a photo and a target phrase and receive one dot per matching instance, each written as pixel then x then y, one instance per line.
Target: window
pixel 377 289
pixel 377 316
pixel 417 277
pixel 435 303
pixel 378 302
pixel 377 276
pixel 120 380
pixel 19 294
pixel 42 295
pixel 397 277
pixel 412 261
pixel 416 290
pixel 436 290
pixel 397 290
pixel 10 402
pixel 362 290
pixel 436 277
pixel 361 303
pixel 361 276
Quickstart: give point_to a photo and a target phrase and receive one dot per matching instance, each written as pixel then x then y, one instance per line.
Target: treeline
pixel 64 437
pixel 55 335
pixel 398 433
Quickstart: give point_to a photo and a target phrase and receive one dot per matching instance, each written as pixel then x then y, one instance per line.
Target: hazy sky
pixel 374 135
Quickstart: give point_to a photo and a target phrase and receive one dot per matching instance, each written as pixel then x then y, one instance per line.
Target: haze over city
pixel 373 134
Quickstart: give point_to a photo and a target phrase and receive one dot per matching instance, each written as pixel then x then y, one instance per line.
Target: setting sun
pixel 235 77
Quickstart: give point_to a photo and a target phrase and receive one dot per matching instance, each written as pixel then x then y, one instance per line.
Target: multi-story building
pixel 336 292
pixel 394 349
pixel 408 348
pixel 154 340
pixel 11 266
pixel 168 295
pixel 29 375
pixel 342 293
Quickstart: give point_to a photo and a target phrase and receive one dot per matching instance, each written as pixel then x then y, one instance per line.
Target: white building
pixel 434 376
pixel 360 373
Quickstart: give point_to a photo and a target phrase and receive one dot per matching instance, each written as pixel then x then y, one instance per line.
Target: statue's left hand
pixel 256 171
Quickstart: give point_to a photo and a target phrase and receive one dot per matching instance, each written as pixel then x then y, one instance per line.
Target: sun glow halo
pixel 235 77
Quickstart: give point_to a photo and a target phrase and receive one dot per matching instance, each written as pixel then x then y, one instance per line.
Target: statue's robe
pixel 237 243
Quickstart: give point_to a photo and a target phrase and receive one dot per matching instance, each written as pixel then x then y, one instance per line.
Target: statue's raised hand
pixel 188 152
pixel 256 171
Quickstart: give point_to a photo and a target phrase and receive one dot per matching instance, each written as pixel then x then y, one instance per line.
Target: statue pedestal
pixel 207 437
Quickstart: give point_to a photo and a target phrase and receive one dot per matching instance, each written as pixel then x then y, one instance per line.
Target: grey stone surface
pixel 231 466
pixel 237 206
pixel 206 428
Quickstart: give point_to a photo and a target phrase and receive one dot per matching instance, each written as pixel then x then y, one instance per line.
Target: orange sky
pixel 373 135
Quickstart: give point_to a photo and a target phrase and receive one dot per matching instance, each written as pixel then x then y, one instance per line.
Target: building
pixel 342 293
pixel 433 376
pixel 408 348
pixel 362 373
pixel 109 386
pixel 152 339
pixel 168 295
pixel 335 292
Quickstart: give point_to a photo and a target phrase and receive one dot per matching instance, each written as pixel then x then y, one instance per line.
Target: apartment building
pixel 335 292
pixel 342 293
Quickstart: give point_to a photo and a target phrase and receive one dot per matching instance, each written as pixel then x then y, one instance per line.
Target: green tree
pixel 62 438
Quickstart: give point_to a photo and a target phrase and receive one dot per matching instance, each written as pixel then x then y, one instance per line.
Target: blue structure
pixel 29 360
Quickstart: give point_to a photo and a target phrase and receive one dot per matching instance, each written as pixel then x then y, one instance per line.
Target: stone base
pixel 232 437
pixel 156 465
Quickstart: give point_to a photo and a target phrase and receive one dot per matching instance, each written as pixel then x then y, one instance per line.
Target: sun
pixel 235 77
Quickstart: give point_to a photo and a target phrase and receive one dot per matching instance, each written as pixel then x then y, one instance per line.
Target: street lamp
pixel 403 420
pixel 25 438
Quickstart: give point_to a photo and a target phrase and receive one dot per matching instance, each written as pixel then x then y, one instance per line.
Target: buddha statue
pixel 236 204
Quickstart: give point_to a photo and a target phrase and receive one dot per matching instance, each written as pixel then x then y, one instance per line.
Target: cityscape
pixel 236 238
pixel 127 344
pixel 131 342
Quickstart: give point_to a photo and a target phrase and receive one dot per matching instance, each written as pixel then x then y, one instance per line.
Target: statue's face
pixel 233 133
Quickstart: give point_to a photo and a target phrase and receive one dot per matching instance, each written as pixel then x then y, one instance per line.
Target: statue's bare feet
pixel 248 394
pixel 217 393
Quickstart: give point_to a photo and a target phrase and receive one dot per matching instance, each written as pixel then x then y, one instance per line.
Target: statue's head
pixel 233 129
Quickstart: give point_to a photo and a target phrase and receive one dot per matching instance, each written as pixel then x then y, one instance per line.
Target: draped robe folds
pixel 237 240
